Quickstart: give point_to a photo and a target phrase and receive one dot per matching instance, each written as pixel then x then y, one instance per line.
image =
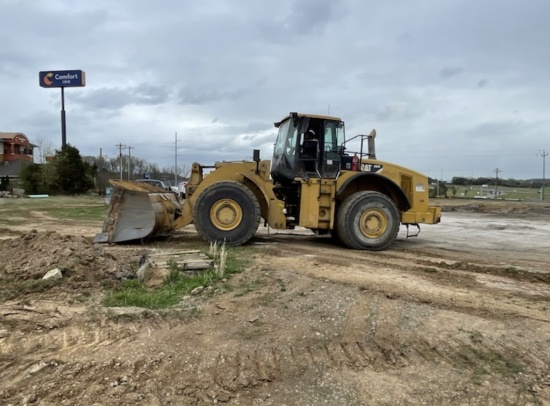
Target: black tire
pixel 367 221
pixel 227 212
pixel 335 238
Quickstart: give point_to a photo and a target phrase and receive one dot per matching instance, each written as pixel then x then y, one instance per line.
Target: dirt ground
pixel 458 315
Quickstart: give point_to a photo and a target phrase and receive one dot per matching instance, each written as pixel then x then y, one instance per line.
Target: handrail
pixel 371 152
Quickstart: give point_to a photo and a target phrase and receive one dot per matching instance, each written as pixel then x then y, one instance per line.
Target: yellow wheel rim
pixel 373 223
pixel 226 214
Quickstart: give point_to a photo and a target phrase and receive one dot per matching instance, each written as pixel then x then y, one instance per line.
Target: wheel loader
pixel 316 183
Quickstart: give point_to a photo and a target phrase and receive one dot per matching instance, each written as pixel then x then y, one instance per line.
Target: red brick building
pixel 14 146
pixel 15 152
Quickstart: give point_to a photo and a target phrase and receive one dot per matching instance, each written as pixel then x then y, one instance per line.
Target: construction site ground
pixel 459 315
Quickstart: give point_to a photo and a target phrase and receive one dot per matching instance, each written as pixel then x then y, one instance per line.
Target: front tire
pixel 227 212
pixel 368 221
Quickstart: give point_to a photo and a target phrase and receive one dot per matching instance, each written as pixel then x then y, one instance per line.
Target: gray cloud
pixel 118 98
pixel 205 95
pixel 309 17
pixel 450 71
pixel 399 111
pixel 215 92
pixel 501 131
pixel 482 83
pixel 220 73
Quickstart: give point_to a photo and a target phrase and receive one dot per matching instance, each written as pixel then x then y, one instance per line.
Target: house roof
pixel 10 137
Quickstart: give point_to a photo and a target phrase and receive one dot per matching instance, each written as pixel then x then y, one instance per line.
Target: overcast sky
pixel 453 87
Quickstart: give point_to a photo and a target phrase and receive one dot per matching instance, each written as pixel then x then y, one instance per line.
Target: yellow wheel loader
pixel 312 182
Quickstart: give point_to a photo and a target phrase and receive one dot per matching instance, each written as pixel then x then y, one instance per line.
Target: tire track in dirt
pixel 206 377
pixel 375 337
pixel 411 260
pixel 420 278
pixel 66 340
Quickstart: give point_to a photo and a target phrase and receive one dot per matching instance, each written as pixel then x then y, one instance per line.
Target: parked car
pixel 165 184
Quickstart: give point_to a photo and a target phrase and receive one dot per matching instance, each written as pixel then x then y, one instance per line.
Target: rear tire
pixel 227 211
pixel 367 221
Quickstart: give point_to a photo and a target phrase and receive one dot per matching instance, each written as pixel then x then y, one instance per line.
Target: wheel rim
pixel 373 223
pixel 226 214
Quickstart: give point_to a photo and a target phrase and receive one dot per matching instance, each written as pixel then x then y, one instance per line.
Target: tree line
pixel 67 172
pixel 462 181
pixel 441 188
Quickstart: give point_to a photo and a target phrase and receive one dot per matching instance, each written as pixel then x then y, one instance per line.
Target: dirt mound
pixel 7 233
pixel 26 259
pixel 497 207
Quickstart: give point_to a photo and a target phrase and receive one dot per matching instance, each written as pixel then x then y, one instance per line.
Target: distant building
pixel 15 151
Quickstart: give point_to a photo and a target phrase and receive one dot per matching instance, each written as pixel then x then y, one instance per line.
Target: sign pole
pixel 63 123
pixel 62 79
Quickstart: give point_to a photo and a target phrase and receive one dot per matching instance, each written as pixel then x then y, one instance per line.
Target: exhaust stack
pixel 371 146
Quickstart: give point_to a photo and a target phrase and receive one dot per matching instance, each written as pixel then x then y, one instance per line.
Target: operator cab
pixel 308 146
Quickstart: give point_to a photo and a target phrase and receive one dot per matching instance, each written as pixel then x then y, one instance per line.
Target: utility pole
pixel 543 154
pixel 120 146
pixel 496 182
pixel 98 182
pixel 129 159
pixel 176 160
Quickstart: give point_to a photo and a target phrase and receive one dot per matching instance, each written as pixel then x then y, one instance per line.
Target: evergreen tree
pixel 73 174
pixel 32 179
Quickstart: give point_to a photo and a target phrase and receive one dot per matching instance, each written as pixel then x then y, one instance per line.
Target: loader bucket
pixel 137 211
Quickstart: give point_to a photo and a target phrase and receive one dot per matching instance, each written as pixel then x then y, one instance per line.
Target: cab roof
pixel 300 115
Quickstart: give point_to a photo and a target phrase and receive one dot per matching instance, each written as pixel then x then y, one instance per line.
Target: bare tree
pixel 184 171
pixel 45 148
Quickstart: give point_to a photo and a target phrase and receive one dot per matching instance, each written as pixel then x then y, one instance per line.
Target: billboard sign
pixel 62 78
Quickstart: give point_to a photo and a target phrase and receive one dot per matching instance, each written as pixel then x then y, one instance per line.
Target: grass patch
pixel 88 208
pixel 175 286
pixel 86 213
